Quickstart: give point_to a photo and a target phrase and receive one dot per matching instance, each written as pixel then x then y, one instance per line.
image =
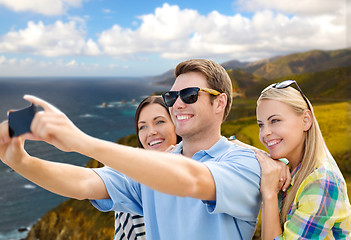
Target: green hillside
pixel 328 84
pixel 246 75
pixel 297 63
pixel 241 79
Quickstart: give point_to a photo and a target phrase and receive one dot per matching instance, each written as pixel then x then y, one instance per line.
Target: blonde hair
pixel 314 146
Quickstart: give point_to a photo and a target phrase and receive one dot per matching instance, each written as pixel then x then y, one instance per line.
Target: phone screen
pixel 20 120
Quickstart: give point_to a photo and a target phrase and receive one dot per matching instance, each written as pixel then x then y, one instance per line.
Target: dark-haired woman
pixel 155 131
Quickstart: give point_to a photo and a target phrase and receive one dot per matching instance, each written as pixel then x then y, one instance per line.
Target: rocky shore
pixel 74 220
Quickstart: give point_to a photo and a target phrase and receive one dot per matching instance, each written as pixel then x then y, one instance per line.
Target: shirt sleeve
pixel 316 211
pixel 125 193
pixel 237 179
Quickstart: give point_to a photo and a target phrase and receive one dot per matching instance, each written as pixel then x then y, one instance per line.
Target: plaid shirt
pixel 321 208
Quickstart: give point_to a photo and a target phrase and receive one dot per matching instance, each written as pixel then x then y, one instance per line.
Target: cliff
pixel 73 220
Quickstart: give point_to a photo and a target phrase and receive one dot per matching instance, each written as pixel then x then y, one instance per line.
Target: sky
pixel 146 38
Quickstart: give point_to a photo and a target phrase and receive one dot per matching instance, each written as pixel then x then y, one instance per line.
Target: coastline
pixel 22 203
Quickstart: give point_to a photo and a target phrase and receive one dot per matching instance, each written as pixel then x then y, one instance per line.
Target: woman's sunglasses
pixel 286 84
pixel 188 95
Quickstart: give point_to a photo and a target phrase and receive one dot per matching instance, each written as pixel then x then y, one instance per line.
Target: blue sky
pixel 143 38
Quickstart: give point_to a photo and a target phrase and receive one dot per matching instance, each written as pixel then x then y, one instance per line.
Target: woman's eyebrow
pixel 160 116
pixel 273 115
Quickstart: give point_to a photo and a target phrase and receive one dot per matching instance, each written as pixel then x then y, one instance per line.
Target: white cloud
pixel 91 48
pixel 72 63
pixel 2 59
pixel 175 33
pixel 59 67
pixel 301 7
pixel 58 39
pixel 45 7
pixel 13 61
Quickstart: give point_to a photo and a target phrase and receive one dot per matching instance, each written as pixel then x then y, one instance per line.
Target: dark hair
pixel 216 76
pixel 145 102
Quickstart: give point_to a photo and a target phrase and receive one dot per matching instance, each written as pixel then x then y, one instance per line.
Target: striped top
pixel 321 208
pixel 129 227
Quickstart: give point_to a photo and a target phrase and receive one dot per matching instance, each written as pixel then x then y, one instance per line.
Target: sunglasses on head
pixel 188 95
pixel 286 84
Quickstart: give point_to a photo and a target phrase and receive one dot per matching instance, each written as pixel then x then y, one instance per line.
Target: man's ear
pixel 221 102
pixel 307 120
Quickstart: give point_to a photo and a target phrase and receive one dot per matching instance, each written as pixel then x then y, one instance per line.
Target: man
pixel 214 195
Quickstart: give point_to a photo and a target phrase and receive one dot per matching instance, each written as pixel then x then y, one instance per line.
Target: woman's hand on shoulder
pixel 275 175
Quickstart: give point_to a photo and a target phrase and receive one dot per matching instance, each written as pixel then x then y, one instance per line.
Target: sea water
pixel 101 107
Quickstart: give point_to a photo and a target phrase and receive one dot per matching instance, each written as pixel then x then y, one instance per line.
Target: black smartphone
pixel 20 120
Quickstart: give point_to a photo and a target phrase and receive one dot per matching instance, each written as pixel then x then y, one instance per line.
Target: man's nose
pixel 179 103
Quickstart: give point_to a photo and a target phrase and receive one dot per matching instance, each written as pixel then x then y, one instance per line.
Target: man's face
pixel 192 119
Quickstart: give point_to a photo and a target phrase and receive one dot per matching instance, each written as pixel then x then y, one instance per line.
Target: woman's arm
pixel 270 217
pixel 270 178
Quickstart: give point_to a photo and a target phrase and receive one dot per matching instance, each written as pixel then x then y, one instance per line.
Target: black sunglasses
pixel 188 95
pixel 286 84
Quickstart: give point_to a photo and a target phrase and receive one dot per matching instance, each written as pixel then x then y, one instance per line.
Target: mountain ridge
pixel 278 66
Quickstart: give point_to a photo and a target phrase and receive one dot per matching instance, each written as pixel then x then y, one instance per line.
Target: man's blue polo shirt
pixel 233 215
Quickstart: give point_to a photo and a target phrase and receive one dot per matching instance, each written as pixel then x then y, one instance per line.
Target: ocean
pixel 22 203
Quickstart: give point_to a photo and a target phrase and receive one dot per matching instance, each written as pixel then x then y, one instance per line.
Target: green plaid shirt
pixel 321 208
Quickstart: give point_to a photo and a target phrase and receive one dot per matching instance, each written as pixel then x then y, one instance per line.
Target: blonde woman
pixel 315 205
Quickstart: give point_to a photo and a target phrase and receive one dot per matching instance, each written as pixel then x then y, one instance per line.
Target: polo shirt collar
pixel 217 149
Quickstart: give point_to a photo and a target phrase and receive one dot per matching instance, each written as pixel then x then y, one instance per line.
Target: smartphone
pixel 20 120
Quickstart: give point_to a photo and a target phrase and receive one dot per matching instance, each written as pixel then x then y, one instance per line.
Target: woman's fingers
pixel 285 176
pixel 270 173
pixel 272 167
pixel 170 148
pixel 288 179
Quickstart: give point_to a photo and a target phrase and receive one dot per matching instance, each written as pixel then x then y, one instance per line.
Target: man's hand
pixel 53 127
pixel 11 149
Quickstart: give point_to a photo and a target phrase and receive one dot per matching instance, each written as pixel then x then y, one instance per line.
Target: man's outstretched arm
pixel 168 173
